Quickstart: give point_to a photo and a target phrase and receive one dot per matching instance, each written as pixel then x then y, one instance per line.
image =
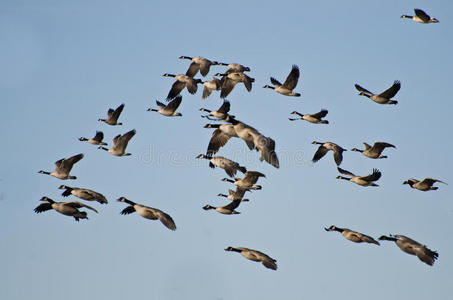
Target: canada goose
pixel 424 185
pixel 235 195
pixel 314 118
pixel 325 147
pixel 65 208
pixel 220 136
pixel 84 194
pixel 96 140
pixel 228 209
pixel 198 63
pixel 113 115
pixel 120 143
pixel 248 181
pixel 255 255
pixel 181 82
pixel 384 97
pixel 375 151
pixel 229 80
pixel 63 167
pixel 353 236
pixel 213 85
pixel 148 213
pixel 228 165
pixel 254 139
pixel 220 114
pixel 361 180
pixel 421 17
pixel 169 109
pixel 289 85
pixel 234 67
pixel 412 247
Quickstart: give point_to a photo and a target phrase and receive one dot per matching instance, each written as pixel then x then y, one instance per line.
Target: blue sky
pixel 64 63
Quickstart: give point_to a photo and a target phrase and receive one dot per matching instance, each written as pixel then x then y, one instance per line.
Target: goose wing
pixel 430 181
pixel 422 15
pixel 225 108
pixel 218 140
pixel 206 92
pixel 77 204
pixel 361 89
pixel 204 66
pixel 193 69
pixel 320 114
pixel 320 153
pixel 373 176
pixel 165 219
pixel 426 255
pixel 65 165
pixel 380 146
pixel 292 79
pixel 251 177
pixel 99 136
pixel 275 82
pixel 176 89
pixel 116 114
pixel 265 259
pixel 227 86
pixel 123 140
pixel 160 104
pixel 232 205
pixel 174 104
pixel 345 172
pixel 43 207
pixel 391 91
pixel 266 147
pixel 128 210
pixel 338 155
pixel 191 85
pixel 247 82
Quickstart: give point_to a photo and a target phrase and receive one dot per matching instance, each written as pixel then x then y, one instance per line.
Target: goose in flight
pixel 314 118
pixel 255 255
pixel 65 208
pixel 424 185
pixel 85 194
pixel 229 81
pixel 412 247
pixel 211 85
pixel 63 167
pixel 384 97
pixel 361 180
pixel 96 140
pixel 248 181
pixel 198 64
pixel 421 17
pixel 181 82
pixel 238 194
pixel 289 85
pixel 234 67
pixel 120 143
pixel 228 209
pixel 230 167
pixel 375 151
pixel 147 213
pixel 220 114
pixel 168 110
pixel 113 115
pixel 353 236
pixel 324 148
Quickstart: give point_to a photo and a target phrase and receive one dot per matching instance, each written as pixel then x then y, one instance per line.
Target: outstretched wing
pixel 128 210
pixel 320 153
pixel 320 114
pixel 391 91
pixel 43 207
pixel 373 176
pixel 225 108
pixel 65 165
pixel 344 172
pixel 361 89
pixel 174 104
pixel 176 89
pixel 291 81
pixel 431 181
pixel 275 82
pixel 422 15
pixel 99 136
pixel 193 69
pixel 77 204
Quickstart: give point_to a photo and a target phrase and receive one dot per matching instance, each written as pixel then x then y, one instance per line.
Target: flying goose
pixel 353 236
pixel 248 181
pixel 254 139
pixel 229 80
pixel 220 114
pixel 314 118
pixel 324 148
pixel 255 255
pixel 228 209
pixel 421 17
pixel 235 195
pixel 65 208
pixel 424 185
pixel 212 85
pixel 96 140
pixel 113 115
pixel 228 165
pixel 375 151
pixel 361 180
pixel 181 82
pixel 289 85
pixel 384 97
pixel 63 167
pixel 412 247
pixel 84 194
pixel 120 143
pixel 234 67
pixel 148 213
pixel 198 63
pixel 168 110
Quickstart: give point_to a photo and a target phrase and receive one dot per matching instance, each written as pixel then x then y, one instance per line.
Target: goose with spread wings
pixel 424 185
pixel 168 110
pixel 353 236
pixel 289 85
pixel 120 143
pixel 96 140
pixel 360 180
pixel 374 151
pixel 313 118
pixel 113 115
pixel 412 247
pixel 255 255
pixel 66 208
pixel 326 147
pixel 182 81
pixel 198 64
pixel 248 181
pixel 421 17
pixel 63 167
pixel 384 97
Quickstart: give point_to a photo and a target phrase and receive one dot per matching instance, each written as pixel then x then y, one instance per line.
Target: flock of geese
pixel 254 140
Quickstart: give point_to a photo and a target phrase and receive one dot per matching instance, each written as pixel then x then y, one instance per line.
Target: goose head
pixel 333 227
pixel 63 187
pixel 201 156
pixel 208 207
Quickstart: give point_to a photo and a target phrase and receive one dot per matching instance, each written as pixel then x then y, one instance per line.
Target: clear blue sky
pixel 64 63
